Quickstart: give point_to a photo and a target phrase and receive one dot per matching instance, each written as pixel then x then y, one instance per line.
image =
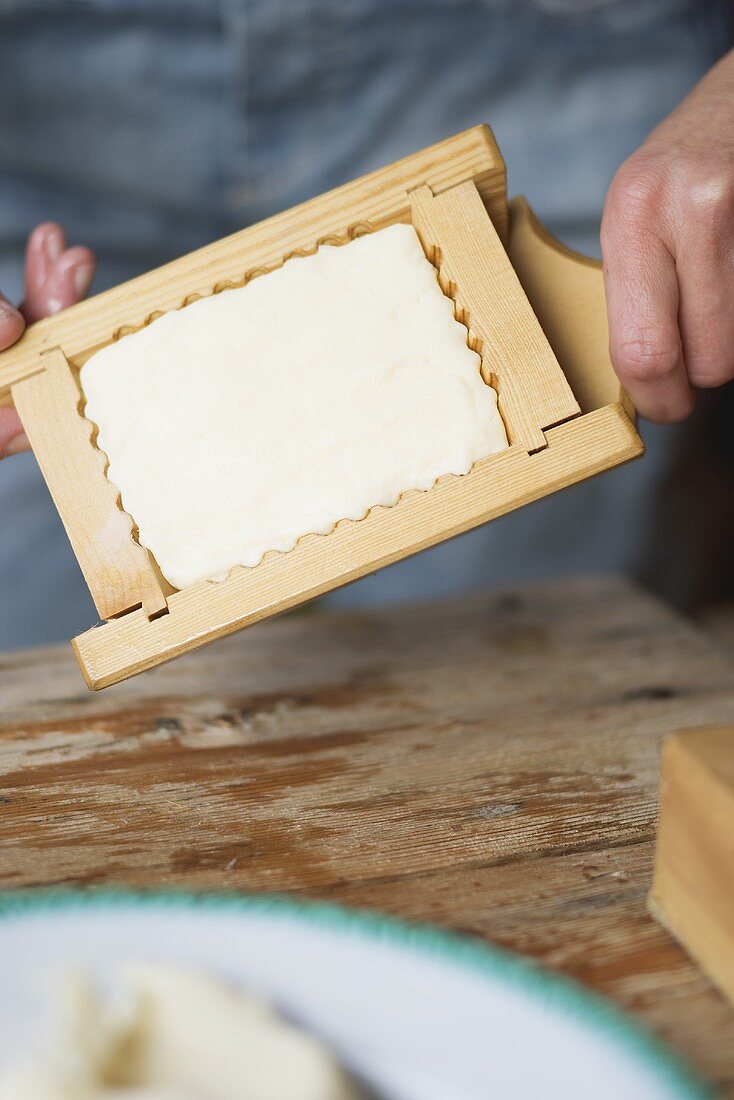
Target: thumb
pixel 12 323
pixel 12 436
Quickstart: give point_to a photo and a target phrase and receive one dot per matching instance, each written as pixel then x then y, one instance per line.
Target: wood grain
pixel 207 611
pixel 693 886
pixel 475 271
pixel 490 764
pixel 118 571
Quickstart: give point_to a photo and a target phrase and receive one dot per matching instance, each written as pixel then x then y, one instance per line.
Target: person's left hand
pixel 55 277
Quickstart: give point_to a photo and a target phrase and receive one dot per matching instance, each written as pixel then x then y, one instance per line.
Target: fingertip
pixel 81 263
pixel 17 445
pixel 12 324
pixel 45 245
pixel 45 228
pixel 12 437
pixel 666 406
pixel 82 275
pixel 69 280
pixel 47 240
pixel 76 255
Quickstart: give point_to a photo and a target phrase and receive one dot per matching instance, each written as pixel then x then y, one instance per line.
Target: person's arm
pixel 668 246
pixel 55 277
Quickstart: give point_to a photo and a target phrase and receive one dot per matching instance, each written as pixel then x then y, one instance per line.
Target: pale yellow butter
pixel 179 1035
pixel 258 415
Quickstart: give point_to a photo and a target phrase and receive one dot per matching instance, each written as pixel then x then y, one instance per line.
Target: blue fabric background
pixel 149 127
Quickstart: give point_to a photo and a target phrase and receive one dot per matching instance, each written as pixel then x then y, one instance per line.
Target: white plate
pixel 417 1013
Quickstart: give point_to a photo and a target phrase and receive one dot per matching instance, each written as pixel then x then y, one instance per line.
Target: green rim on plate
pixel 565 995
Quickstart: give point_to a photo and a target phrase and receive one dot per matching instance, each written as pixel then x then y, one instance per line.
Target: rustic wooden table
pixel 489 764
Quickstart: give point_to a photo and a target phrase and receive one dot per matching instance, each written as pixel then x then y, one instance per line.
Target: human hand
pixel 55 277
pixel 668 245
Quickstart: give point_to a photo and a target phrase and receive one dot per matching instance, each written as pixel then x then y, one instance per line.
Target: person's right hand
pixel 55 277
pixel 668 243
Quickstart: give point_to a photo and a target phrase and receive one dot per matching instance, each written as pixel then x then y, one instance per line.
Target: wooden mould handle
pixel 566 291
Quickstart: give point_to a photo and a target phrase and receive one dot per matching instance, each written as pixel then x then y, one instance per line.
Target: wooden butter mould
pixel 534 312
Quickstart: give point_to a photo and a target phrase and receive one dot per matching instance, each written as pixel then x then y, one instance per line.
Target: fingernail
pixel 83 276
pixel 54 245
pixel 7 311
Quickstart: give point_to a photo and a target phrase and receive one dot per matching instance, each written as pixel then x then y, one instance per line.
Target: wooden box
pixel 693 884
pixel 534 312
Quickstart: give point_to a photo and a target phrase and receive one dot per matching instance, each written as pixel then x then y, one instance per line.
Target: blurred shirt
pixel 150 127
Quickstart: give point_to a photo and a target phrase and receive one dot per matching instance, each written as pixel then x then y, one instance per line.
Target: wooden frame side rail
pixel 119 572
pixel 475 270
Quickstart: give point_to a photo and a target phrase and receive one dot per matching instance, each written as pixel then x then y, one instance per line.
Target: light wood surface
pixel 118 571
pixel 490 764
pixel 476 272
pixel 693 887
